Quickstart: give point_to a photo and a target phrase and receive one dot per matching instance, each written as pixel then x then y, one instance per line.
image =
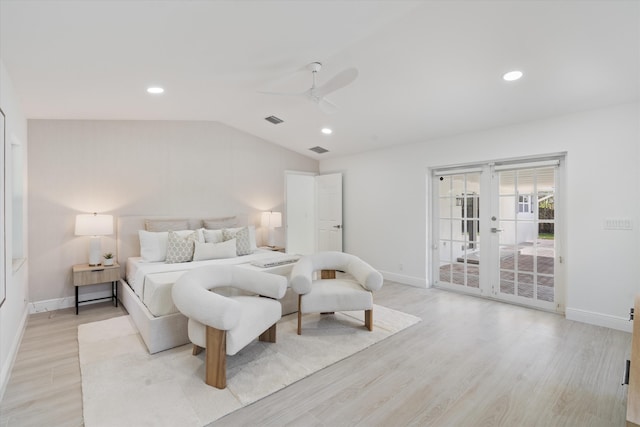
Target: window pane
pixel 507 182
pixel 458 185
pixel 545 180
pixel 444 188
pixel 473 183
pixel 525 181
pixel 445 207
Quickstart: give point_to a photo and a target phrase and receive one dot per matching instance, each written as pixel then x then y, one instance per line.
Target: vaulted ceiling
pixel 426 68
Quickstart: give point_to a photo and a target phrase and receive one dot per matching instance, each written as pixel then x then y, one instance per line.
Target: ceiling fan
pixel 317 94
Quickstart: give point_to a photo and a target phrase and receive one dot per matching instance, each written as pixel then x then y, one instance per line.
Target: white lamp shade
pixel 271 219
pixel 94 225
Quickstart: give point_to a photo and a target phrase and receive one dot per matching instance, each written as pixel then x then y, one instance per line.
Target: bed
pixel 145 290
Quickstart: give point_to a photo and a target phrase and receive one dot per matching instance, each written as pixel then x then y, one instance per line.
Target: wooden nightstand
pixel 273 248
pixel 84 274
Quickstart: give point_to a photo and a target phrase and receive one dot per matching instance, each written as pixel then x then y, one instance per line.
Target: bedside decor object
pixel 108 259
pixel 94 225
pixel 271 220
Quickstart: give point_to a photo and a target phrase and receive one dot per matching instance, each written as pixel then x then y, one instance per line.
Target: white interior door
pixel 329 211
pixel 300 213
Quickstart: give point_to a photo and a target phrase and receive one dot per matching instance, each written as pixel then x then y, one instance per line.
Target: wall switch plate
pixel 618 224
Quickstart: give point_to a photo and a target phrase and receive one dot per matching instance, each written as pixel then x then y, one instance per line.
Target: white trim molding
pixel 66 302
pixel 598 319
pixel 13 352
pixel 418 282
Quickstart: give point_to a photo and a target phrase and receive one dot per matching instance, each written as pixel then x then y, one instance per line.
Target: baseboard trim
pixel 66 302
pixel 417 282
pixel 598 319
pixel 13 352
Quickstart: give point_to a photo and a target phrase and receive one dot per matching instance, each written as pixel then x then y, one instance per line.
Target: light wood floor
pixel 470 362
pixel 45 387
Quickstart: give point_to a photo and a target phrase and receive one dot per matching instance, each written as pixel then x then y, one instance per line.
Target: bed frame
pixel 158 333
pixel 165 332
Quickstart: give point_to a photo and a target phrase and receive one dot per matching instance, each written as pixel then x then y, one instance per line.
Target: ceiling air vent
pixel 319 150
pixel 273 119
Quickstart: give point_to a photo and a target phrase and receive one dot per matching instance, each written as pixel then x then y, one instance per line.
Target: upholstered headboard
pixel 128 242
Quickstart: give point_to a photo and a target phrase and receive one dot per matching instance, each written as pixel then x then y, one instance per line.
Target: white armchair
pixel 224 325
pixel 326 294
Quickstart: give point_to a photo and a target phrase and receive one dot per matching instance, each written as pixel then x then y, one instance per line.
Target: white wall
pixel 13 312
pixel 139 168
pixel 385 198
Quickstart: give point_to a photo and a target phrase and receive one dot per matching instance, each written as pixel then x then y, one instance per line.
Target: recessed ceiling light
pixel 512 75
pixel 155 89
pixel 326 131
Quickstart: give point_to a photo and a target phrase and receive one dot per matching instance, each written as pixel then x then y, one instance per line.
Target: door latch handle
pixel 496 230
pixel 337 226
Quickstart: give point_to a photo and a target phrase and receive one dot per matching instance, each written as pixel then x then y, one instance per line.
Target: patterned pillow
pixel 180 249
pixel 243 243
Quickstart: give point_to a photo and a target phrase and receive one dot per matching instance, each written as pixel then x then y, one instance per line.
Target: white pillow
pixel 153 244
pixel 205 251
pixel 212 236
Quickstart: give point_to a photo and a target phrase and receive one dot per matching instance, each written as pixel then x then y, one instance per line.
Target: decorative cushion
pixel 166 224
pixel 252 235
pixel 212 236
pixel 243 244
pixel 220 223
pixel 180 249
pixel 204 251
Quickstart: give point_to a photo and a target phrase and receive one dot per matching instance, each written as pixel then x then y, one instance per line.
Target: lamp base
pixel 95 251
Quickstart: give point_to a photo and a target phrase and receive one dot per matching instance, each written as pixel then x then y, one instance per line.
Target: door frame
pixel 484 290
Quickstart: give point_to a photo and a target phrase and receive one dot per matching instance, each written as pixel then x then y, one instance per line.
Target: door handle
pixel 337 226
pixel 496 230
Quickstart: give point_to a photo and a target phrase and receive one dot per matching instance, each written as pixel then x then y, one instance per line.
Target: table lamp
pixel 94 225
pixel 271 220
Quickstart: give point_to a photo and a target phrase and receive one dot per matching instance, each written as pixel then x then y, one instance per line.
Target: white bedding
pixel 152 281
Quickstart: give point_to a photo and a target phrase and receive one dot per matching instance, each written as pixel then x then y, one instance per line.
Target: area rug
pixel 122 384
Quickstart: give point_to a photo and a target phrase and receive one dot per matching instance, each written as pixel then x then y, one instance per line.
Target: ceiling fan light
pixel 512 75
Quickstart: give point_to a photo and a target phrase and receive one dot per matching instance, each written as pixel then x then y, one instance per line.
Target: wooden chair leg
pixel 216 358
pixel 327 274
pixel 197 350
pixel 299 314
pixel 368 319
pixel 269 335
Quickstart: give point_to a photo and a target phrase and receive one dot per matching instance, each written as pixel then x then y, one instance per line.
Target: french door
pixel 495 232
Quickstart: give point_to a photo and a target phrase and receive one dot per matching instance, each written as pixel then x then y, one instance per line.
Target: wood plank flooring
pixel 45 386
pixel 470 362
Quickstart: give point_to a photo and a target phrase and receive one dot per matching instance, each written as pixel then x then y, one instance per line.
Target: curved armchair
pixel 328 293
pixel 224 325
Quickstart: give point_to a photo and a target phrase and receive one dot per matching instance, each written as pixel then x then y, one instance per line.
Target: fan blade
pixel 339 81
pixel 327 106
pixel 284 93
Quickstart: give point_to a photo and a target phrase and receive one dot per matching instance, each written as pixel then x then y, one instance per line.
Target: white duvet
pixel 152 281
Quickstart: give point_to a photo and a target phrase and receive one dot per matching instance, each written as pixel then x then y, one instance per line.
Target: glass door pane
pixel 526 245
pixel 459 230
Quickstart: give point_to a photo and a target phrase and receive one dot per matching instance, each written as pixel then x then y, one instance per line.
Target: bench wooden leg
pixel 269 335
pixel 368 319
pixel 216 358
pixel 197 350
